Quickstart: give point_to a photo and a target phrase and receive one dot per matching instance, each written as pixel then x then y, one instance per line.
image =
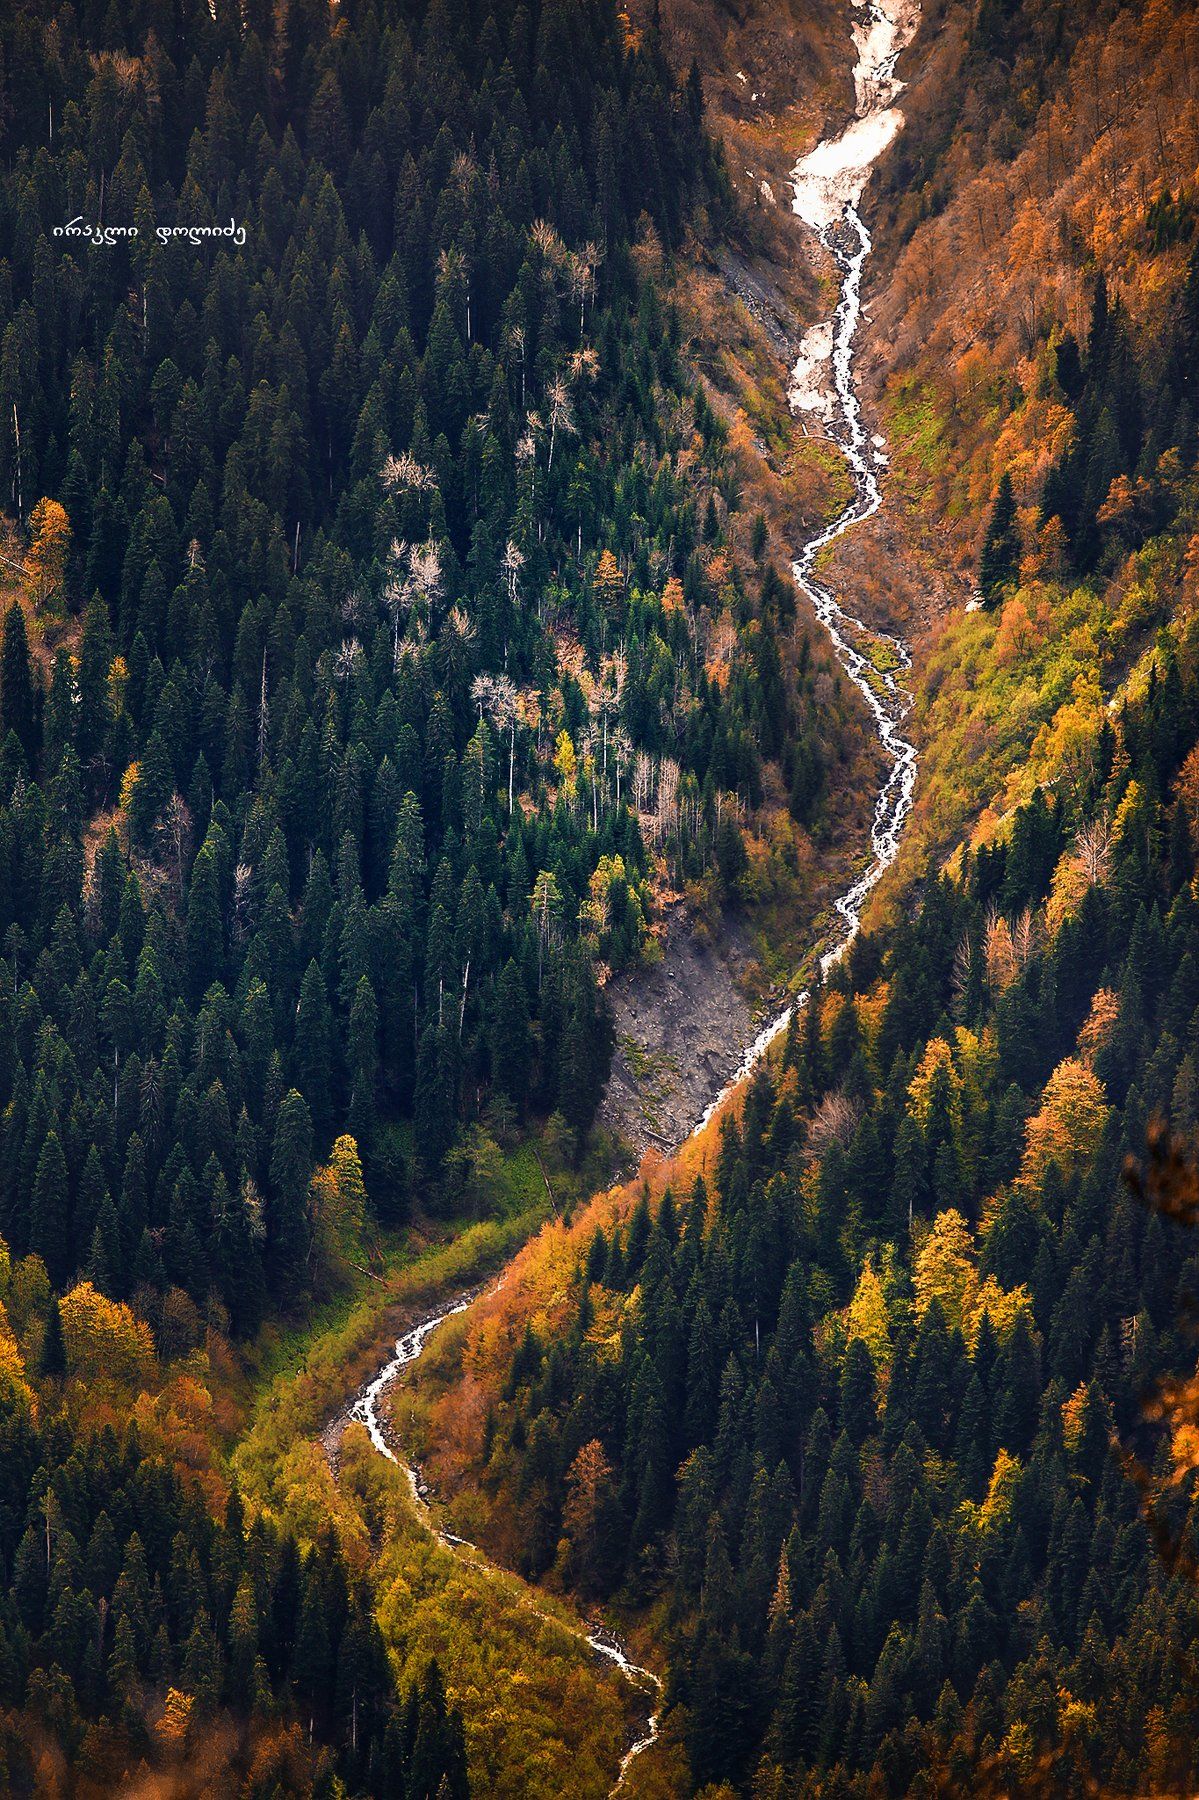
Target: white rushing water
pixel 829 184
pixel 834 175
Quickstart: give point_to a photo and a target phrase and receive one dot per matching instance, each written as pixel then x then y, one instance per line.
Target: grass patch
pixel 916 430
pixel 655 1072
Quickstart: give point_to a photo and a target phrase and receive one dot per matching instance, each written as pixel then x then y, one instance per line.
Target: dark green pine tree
pixel 360 1679
pixel 104 1256
pixel 49 1213
pixel 435 1097
pixel 108 884
pixel 314 1049
pixel 153 788
pixel 1017 1383
pixel 287 1215
pixel 17 701
pixel 53 1358
pixel 236 1262
pixel 205 927
pixel 972 1443
pixel 585 1058
pixel 511 1039
pixel 312 1665
pixel 362 1062
pixel 857 1392
pixel 438 1767
pixel 910 1193
pixel 1000 560
pixel 703 1376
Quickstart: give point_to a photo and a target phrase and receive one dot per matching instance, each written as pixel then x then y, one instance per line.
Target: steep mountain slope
pixel 1037 321
pixel 834 1423
pixel 396 623
pixel 386 635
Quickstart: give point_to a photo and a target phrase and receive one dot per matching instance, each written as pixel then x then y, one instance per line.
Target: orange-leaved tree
pixel 46 559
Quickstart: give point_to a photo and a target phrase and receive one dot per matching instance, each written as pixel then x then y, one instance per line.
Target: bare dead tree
pixel 497 699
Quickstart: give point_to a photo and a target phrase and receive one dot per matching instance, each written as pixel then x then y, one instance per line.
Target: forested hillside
pixel 845 1407
pixel 861 1423
pixel 387 642
pixel 1035 349
pixel 382 634
pixel 137 1630
pixel 1046 146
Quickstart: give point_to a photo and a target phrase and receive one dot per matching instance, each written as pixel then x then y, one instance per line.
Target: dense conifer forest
pixel 271 1671
pixel 379 630
pixel 368 593
pixel 316 775
pixel 848 1403
pixel 387 641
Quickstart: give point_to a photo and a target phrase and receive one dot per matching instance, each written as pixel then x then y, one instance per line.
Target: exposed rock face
pixel 682 1029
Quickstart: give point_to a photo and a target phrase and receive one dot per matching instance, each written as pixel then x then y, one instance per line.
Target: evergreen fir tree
pixel 1000 558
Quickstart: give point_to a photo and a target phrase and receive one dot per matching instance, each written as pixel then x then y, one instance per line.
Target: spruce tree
pixel 287 1215
pixel 49 1213
pixel 511 1044
pixel 205 927
pixel 1000 558
pixel 53 1358
pixel 17 702
pixel 314 1049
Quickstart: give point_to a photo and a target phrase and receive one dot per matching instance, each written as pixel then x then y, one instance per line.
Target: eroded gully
pixel 829 184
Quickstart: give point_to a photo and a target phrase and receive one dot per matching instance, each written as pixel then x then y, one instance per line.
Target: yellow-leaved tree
pixel 1068 1125
pixel 1001 1490
pixel 12 1363
pixel 945 1269
pixel 102 1339
pixel 1099 1023
pixel 46 559
pixel 609 583
pixel 566 763
pixel 590 1499
pixel 867 1317
pixel 936 1064
pixel 1002 1306
pixel 337 1199
pixel 175 1721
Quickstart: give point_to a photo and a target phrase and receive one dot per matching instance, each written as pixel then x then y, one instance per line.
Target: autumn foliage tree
pixel 48 553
